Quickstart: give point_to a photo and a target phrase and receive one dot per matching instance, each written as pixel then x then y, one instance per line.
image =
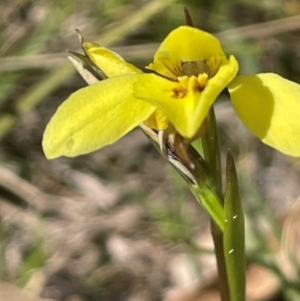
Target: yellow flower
pixel 191 70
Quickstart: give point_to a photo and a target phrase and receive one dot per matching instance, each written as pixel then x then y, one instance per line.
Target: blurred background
pixel 120 224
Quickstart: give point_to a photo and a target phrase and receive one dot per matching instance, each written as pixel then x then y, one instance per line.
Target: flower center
pixel 209 66
pixel 194 68
pixel 192 84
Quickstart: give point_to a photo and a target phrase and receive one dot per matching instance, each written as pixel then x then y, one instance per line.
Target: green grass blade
pixel 211 202
pixel 234 235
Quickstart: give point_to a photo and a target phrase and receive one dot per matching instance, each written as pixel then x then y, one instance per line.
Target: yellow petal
pixel 108 61
pixel 182 102
pixel 185 44
pixel 93 117
pixel 269 106
pixel 157 121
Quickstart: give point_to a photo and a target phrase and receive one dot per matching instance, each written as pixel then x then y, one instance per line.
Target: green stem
pixel 218 239
pixel 211 150
pixel 212 156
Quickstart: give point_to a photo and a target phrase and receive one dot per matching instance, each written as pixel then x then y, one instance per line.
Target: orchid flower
pixel 189 71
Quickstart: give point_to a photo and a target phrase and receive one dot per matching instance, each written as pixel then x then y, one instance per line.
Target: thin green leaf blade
pixel 211 202
pixel 234 235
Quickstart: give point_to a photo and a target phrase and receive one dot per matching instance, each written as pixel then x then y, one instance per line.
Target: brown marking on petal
pixel 198 88
pixel 174 69
pixel 179 92
pixel 194 68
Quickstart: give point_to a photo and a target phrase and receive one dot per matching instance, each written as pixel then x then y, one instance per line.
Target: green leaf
pixel 234 235
pixel 209 199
